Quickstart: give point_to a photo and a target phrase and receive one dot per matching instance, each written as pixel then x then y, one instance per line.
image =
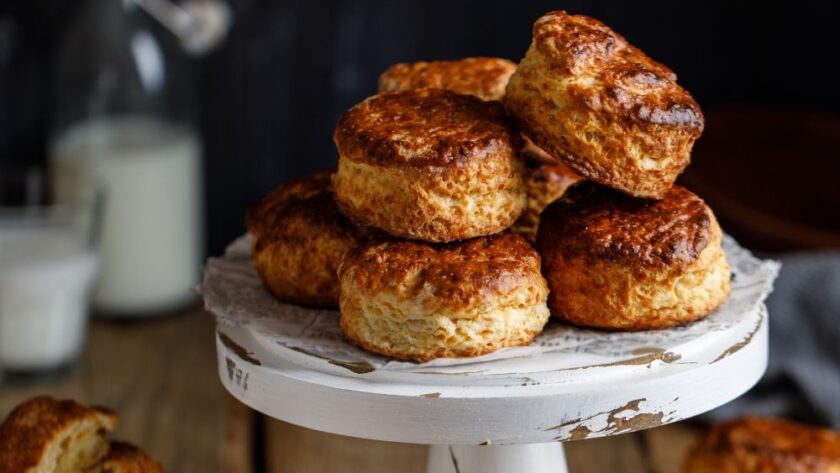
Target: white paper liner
pixel 234 293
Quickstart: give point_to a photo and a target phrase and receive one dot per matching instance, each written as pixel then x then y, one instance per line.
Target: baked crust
pixel 622 263
pixel 483 77
pixel 545 183
pixel 614 115
pixel 765 445
pixel 260 216
pixel 46 434
pixel 420 301
pixel 429 164
pixel 300 237
pixel 126 458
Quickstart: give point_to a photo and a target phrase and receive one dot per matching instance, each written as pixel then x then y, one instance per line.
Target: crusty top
pixel 261 215
pixel 425 127
pixel 443 275
pixel 126 458
pixel 32 426
pixel 782 444
pixel 314 215
pixel 599 223
pixel 483 77
pixel 612 75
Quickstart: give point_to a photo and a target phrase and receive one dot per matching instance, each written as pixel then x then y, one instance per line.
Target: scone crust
pixel 765 445
pixel 126 458
pixel 621 263
pixel 545 183
pixel 614 115
pixel 419 301
pixel 429 164
pixel 32 427
pixel 482 77
pixel 260 216
pixel 299 241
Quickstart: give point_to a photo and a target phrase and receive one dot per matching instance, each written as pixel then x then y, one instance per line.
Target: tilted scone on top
pixel 420 301
pixel 765 445
pixel 616 262
pixel 299 237
pixel 429 164
pixel 483 77
pixel 614 115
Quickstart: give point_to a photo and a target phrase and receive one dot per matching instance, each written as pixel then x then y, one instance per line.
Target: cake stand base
pixel 532 457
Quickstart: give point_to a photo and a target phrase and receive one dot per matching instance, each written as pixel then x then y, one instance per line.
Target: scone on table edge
pixel 299 238
pixel 420 301
pixel 615 116
pixel 429 164
pixel 482 77
pixel 45 435
pixel 621 263
pixel 765 445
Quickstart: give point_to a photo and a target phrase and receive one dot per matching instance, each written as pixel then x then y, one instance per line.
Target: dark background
pixel 763 71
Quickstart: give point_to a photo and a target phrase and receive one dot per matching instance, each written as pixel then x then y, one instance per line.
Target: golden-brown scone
pixel 546 183
pixel 611 113
pixel 126 458
pixel 419 301
pixel 617 262
pixel 260 216
pixel 45 435
pixel 483 77
pixel 764 445
pixel 299 237
pixel 429 164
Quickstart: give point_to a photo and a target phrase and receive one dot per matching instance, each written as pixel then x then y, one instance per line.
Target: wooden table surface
pixel 160 376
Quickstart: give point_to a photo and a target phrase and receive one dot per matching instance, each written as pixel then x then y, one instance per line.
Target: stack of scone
pixel 46 435
pixel 421 235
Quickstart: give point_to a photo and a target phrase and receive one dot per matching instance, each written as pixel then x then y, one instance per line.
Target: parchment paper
pixel 234 293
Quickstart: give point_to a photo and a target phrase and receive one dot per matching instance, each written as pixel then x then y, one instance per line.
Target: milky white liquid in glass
pixel 45 279
pixel 151 238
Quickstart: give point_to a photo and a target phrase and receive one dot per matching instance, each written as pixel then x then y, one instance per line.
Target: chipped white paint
pixel 530 404
pixel 581 384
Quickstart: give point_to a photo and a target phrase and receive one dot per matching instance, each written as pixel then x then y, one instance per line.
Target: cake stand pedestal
pixel 500 416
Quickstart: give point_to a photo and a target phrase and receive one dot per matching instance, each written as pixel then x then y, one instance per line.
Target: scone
pixel 126 458
pixel 45 435
pixel 429 164
pixel 419 301
pixel 764 445
pixel 299 237
pixel 483 77
pixel 614 115
pixel 545 183
pixel 617 262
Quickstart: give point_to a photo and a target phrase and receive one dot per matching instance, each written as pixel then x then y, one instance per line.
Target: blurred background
pixel 220 101
pixel 268 96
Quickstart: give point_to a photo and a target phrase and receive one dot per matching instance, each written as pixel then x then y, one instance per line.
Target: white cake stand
pixel 497 416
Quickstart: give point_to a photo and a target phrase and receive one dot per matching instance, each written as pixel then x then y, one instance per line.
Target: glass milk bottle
pixel 124 118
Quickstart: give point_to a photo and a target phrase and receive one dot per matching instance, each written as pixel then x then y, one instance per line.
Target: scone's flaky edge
pixel 481 198
pixel 483 77
pixel 34 431
pixel 545 183
pixel 126 458
pixel 298 256
pixel 622 295
pixel 418 302
pixel 764 445
pixel 611 113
